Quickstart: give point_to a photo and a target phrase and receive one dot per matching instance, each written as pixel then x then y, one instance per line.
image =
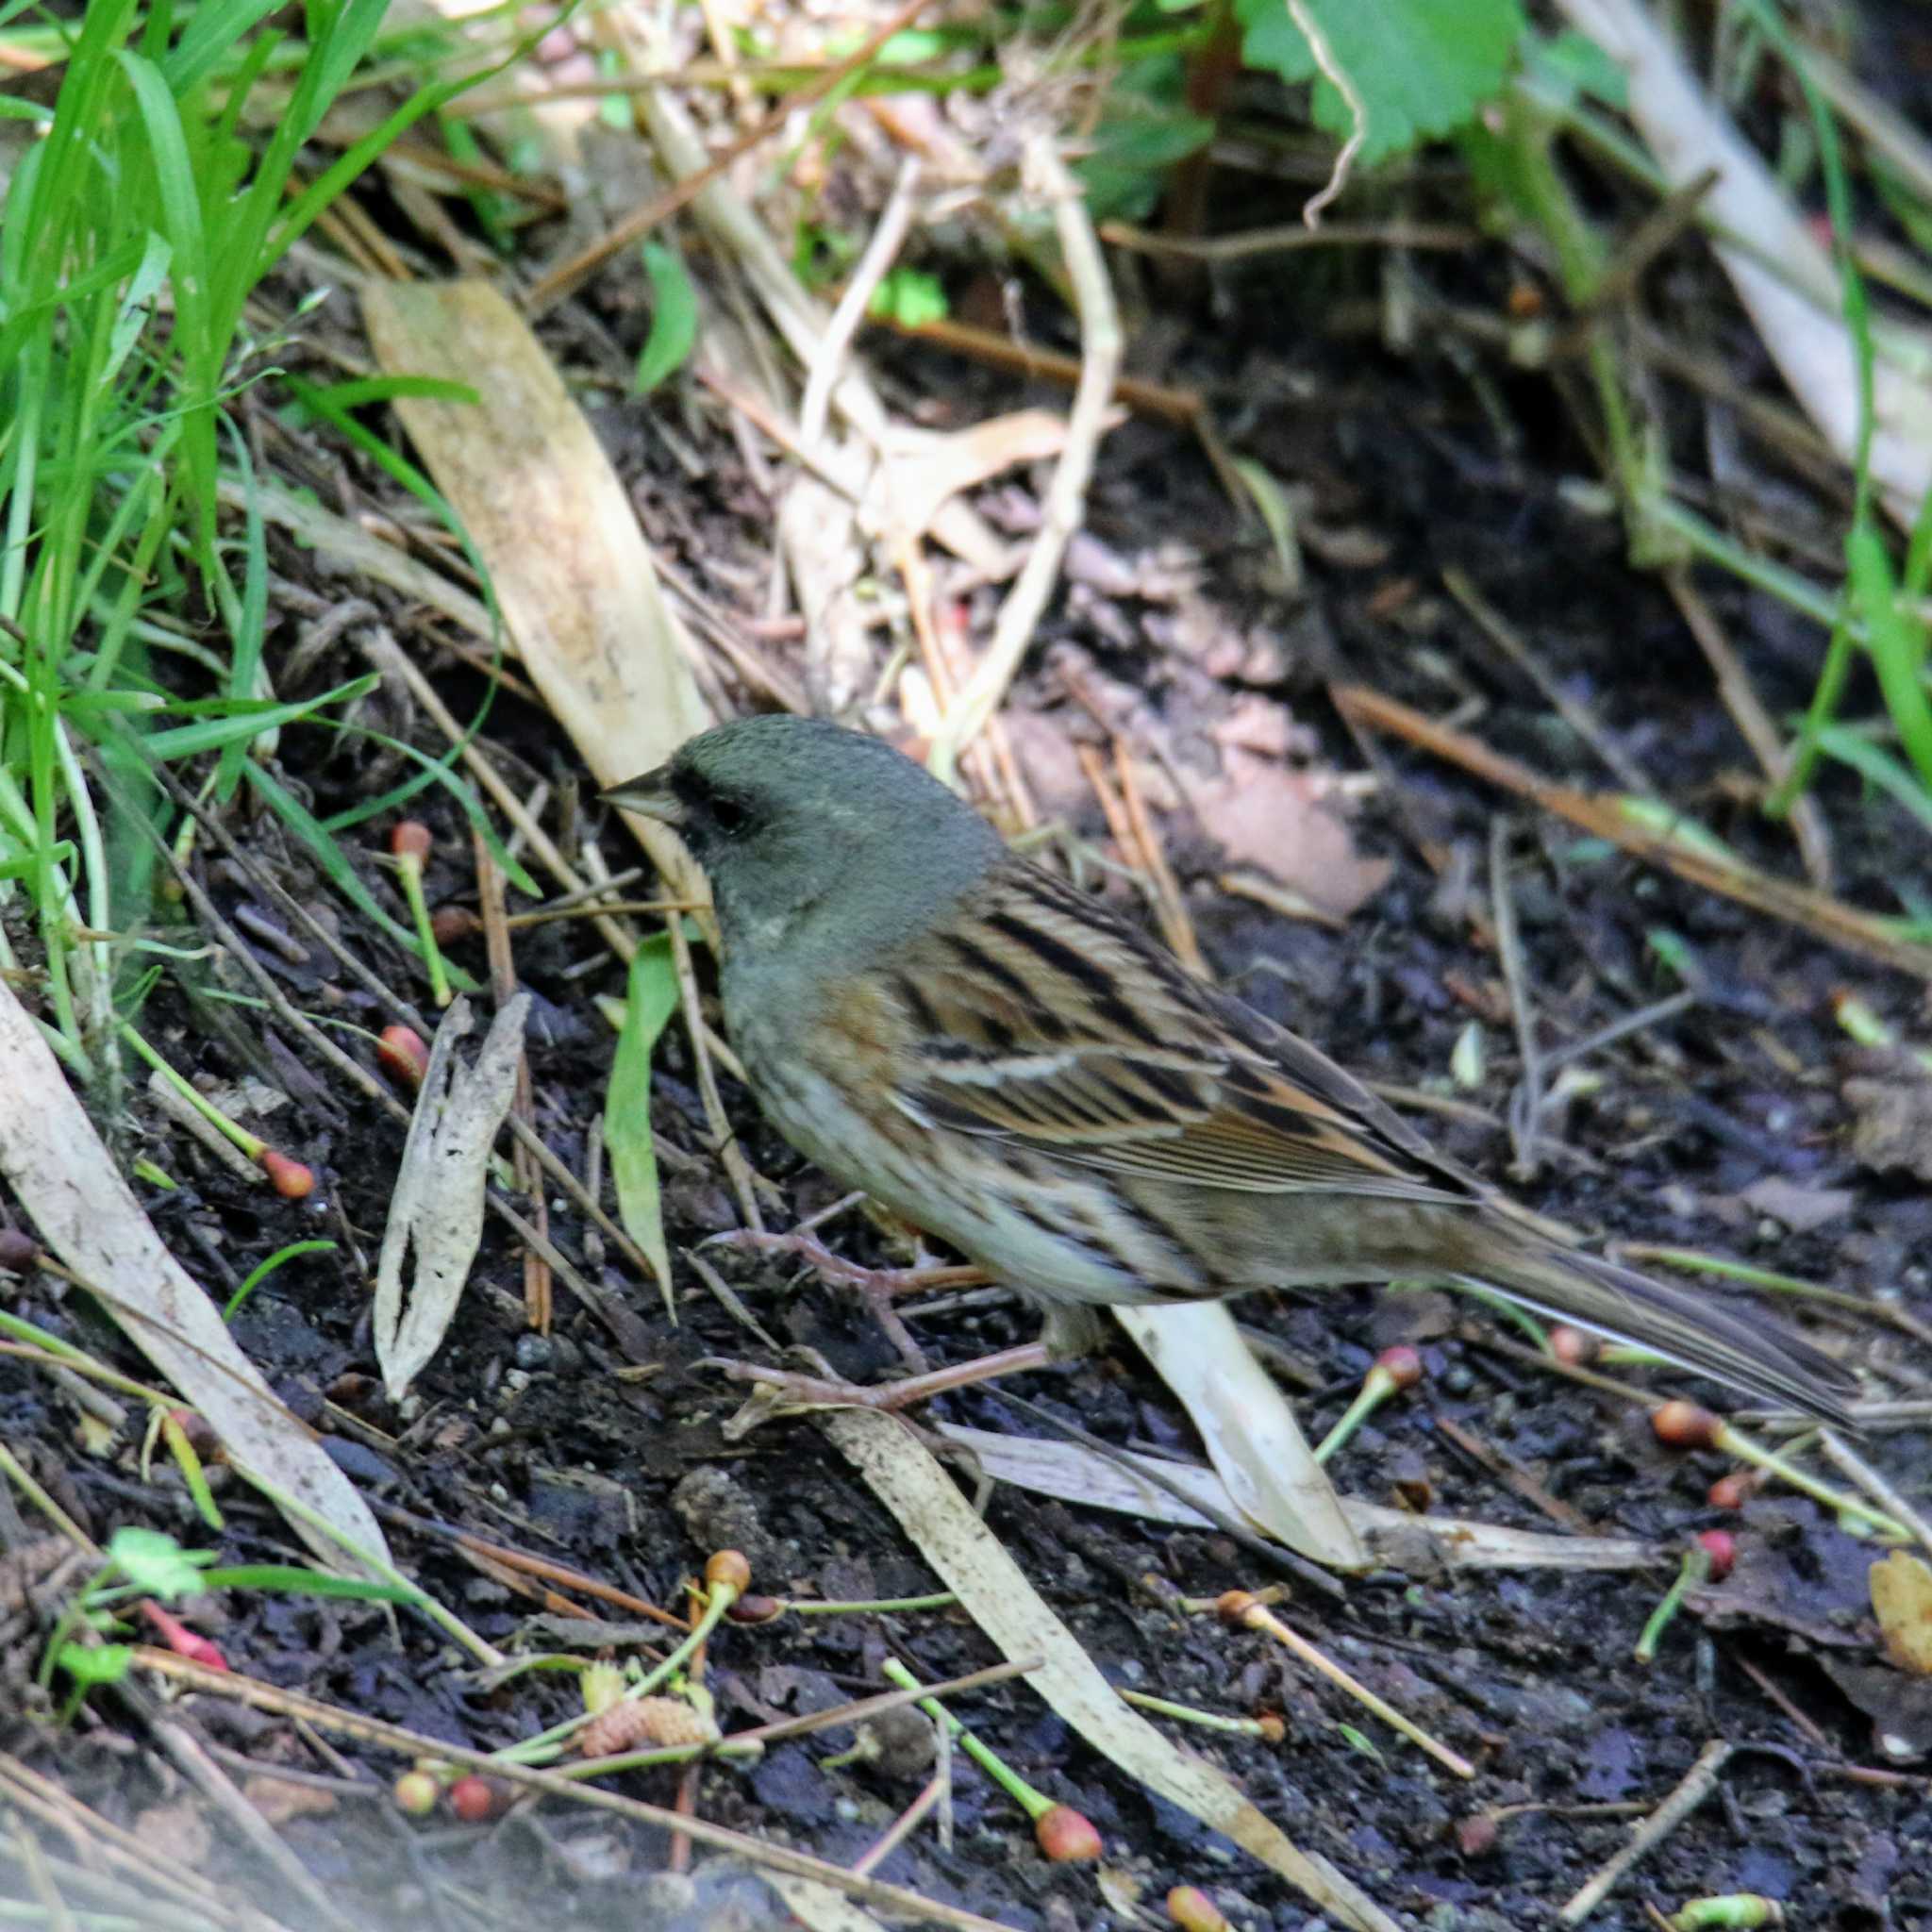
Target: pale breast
pixel 1035 1226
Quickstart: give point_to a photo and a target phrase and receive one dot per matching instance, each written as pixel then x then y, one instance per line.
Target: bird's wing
pixel 1035 1016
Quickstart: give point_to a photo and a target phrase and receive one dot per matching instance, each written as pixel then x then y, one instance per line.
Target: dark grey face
pixel 812 834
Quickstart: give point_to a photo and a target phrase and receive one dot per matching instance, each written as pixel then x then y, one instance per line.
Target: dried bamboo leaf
pixel 1075 1474
pixel 1250 1432
pixel 996 1594
pixel 87 1215
pixel 437 1209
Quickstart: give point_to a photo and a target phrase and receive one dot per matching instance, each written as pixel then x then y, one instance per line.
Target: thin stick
pixel 1740 699
pixel 1699 1782
pixel 1526 1104
pixel 1866 934
pixel 1287 237
pixel 1881 1491
pixel 894 1900
pixel 1257 1617
pixel 560 281
pixel 829 359
pixel 1100 360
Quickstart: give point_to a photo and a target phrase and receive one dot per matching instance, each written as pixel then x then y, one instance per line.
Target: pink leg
pixel 826 1392
pixel 878 1285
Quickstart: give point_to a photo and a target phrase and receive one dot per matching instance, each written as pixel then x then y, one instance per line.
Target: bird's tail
pixel 1689 1326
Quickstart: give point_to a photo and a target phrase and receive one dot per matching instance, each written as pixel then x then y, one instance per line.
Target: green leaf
pixel 910 297
pixel 293 1578
pixel 100 1663
pixel 1422 68
pixel 674 317
pixel 1566 67
pixel 155 1564
pixel 651 1001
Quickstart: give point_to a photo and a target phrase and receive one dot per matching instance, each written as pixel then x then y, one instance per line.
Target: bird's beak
pixel 650 796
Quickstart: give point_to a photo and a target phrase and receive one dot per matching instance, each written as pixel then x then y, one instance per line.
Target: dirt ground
pixel 1725 1125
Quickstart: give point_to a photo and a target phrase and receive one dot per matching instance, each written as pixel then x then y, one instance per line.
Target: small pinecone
pixel 644 1721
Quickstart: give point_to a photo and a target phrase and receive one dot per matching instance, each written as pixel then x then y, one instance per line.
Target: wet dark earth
pixel 1724 1124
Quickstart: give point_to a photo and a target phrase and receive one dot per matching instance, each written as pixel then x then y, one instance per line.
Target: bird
pixel 1009 1065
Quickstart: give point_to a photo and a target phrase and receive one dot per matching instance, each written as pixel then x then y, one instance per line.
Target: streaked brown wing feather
pixel 1038 1017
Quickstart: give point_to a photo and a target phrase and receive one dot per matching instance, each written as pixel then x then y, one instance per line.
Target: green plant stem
pixel 1730 1442
pixel 1187 1714
pixel 1694 1569
pixel 249 1143
pixel 938 1600
pixel 1379 1384
pixel 378 1565
pixel 547 1746
pixel 983 1755
pixel 410 867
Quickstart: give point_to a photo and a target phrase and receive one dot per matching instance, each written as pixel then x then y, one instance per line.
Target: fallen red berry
pixel 403 1055
pixel 1192 1910
pixel 1401 1364
pixel 410 839
pixel 1572 1346
pixel 477 1800
pixel 415 1793
pixel 1721 1546
pixel 290 1178
pixel 1681 1425
pixel 1066 1836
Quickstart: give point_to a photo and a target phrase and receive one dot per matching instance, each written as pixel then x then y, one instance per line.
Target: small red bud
pixel 451 924
pixel 181 1639
pixel 1066 1836
pixel 1273 1730
pixel 1234 1606
pixel 1572 1346
pixel 1475 1835
pixel 1192 1910
pixel 1730 1491
pixel 402 1054
pixel 18 1250
pixel 409 838
pixel 290 1178
pixel 729 1569
pixel 415 1793
pixel 1681 1425
pixel 477 1800
pixel 1401 1364
pixel 753 1608
pixel 1721 1546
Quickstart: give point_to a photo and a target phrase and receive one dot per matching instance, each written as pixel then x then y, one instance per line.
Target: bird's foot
pixel 877 1287
pixel 785 1392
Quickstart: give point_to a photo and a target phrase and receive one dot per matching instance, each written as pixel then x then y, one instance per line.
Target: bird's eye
pixel 728 815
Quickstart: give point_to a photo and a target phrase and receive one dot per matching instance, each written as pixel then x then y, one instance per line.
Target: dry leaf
pixel 555 528
pixel 993 1591
pixel 280 1800
pixel 86 1213
pixel 1251 1434
pixel 1394 1536
pixel 1902 1601
pixel 179 1828
pixel 1272 816
pixel 437 1204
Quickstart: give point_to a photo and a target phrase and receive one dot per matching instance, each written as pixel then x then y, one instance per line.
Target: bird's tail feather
pixel 1690 1327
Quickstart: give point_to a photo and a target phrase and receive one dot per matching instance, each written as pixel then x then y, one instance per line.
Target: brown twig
pixel 1740 699
pixel 560 281
pixel 1698 1784
pixel 896 1900
pixel 1826 918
